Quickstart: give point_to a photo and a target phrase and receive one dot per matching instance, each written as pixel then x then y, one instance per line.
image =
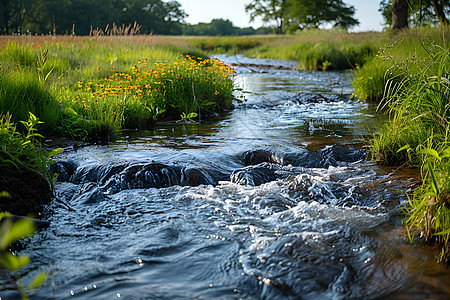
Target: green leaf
pixel 15 231
pixel 431 152
pixel 37 281
pixel 12 262
pixel 406 147
pixel 192 115
pixel 443 232
pixel 55 152
pixel 445 153
pixel 4 195
pixel 4 214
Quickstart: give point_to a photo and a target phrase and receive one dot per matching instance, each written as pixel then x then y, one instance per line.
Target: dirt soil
pixel 28 191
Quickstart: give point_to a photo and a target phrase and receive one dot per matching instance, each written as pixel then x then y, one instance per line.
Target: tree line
pixel 83 17
pixel 67 17
pixel 293 15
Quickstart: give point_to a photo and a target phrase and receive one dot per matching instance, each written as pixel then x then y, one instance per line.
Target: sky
pixel 234 10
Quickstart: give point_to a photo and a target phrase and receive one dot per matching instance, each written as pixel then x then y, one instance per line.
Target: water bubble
pixel 85 288
pixel 94 286
pixel 72 293
pixel 118 295
pixel 210 285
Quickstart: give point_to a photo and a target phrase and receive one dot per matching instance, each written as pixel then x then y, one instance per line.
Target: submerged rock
pixel 194 177
pixel 253 175
pixel 311 97
pixel 65 169
pixel 255 157
pixel 339 153
pixel 301 158
pixel 261 166
pixel 139 176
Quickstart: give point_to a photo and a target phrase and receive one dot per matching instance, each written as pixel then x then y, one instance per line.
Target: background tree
pixel 268 10
pixel 424 12
pixel 45 16
pixel 299 14
pixel 307 13
pixel 399 14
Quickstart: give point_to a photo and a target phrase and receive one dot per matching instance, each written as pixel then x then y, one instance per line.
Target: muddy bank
pixel 28 191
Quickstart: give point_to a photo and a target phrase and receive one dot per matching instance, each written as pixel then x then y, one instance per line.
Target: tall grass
pixel 22 92
pixel 89 88
pixel 398 54
pixel 320 49
pixel 418 101
pixel 418 105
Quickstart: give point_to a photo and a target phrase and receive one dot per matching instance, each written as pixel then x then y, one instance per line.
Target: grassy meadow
pixel 89 88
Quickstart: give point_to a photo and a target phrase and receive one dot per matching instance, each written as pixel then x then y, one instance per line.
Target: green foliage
pixel 312 14
pixel 318 50
pixel 421 12
pixel 429 209
pixel 63 86
pixel 21 92
pixel 10 232
pixel 268 10
pixel 418 102
pixel 34 16
pixel 301 14
pixel 152 92
pixel 22 56
pixel 397 58
pixel 22 150
pixel 220 27
pixel 231 45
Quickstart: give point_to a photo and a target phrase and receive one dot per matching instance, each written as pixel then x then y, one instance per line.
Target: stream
pixel 272 200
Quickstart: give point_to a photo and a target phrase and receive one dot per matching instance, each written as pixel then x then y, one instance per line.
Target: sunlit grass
pixel 95 86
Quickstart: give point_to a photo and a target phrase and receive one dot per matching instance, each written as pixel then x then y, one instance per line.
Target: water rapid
pixel 273 200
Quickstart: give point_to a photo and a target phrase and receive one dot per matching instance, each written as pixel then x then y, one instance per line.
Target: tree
pixel 268 10
pixel 399 14
pixel 307 13
pixel 60 16
pixel 303 13
pixel 439 9
pixel 422 12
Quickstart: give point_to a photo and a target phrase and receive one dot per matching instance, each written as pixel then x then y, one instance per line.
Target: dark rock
pixel 96 173
pixel 339 153
pixel 29 191
pixel 195 177
pixel 65 169
pixel 310 97
pixel 253 175
pixel 301 158
pixel 255 157
pixel 143 176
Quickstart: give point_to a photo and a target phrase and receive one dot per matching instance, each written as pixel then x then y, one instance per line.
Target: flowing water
pixel 233 208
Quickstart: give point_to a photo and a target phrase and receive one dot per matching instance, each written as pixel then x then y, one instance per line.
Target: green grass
pixel 89 88
pixel 417 99
pixel 22 92
pixel 398 55
pixel 429 209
